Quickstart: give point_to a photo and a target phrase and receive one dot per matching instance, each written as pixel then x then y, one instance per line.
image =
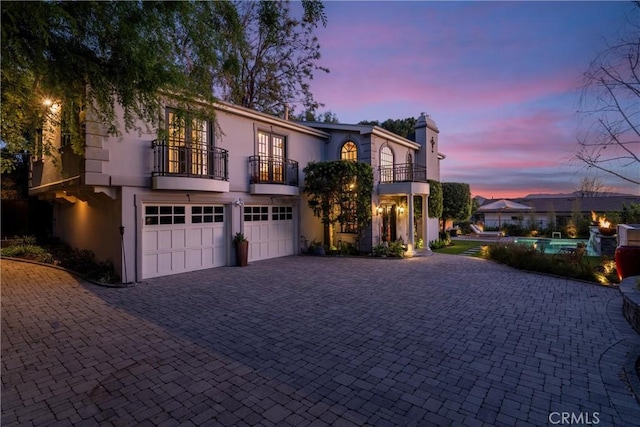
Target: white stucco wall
pixel 93 224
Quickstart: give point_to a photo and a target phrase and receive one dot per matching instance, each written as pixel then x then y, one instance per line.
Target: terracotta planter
pixel 242 253
pixel 627 261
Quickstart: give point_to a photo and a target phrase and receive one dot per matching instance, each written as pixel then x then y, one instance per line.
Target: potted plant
pixel 242 249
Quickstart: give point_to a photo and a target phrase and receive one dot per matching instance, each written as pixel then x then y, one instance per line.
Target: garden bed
pixel 54 252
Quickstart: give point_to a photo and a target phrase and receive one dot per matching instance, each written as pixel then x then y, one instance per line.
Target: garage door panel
pixel 150 264
pixel 165 262
pixel 195 237
pixel 217 237
pixel 178 239
pixel 179 261
pixel 219 257
pixel 164 239
pixel 196 258
pixel 150 240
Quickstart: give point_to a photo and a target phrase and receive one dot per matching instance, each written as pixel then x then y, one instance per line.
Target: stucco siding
pixel 93 224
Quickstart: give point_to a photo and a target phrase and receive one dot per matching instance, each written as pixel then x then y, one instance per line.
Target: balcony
pixel 189 168
pixel 273 175
pixel 406 178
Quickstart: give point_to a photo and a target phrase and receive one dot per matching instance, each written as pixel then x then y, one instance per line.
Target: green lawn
pixel 459 246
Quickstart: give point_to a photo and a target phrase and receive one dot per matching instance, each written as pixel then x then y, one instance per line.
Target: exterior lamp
pixel 433 143
pixel 401 210
pixel 378 210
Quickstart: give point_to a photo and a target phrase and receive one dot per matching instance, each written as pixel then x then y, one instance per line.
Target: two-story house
pixel 163 201
pixel 401 170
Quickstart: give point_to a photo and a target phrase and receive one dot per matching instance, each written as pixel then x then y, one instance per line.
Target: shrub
pixel 525 257
pixel 393 249
pixel 464 226
pixel 28 251
pixel 348 249
pixel 396 249
pixel 445 237
pixel 380 250
pixel 54 252
pixel 514 230
pixel 438 244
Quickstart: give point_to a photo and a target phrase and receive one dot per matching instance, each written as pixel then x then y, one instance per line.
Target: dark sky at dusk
pixel 501 80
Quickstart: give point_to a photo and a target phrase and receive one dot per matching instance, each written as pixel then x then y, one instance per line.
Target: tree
pixel 592 187
pixel 269 67
pixel 611 102
pixel 312 116
pixel 135 54
pixel 15 181
pixel 402 127
pixel 82 55
pixel 338 191
pixel 435 199
pixel 456 198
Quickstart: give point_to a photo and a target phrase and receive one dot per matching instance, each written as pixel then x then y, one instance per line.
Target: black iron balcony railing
pixel 407 172
pixel 273 170
pixel 188 161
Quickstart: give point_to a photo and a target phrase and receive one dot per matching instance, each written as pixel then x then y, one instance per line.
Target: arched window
pixel 386 164
pixel 386 157
pixel 349 151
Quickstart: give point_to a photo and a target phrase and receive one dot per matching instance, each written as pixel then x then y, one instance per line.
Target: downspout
pixel 136 223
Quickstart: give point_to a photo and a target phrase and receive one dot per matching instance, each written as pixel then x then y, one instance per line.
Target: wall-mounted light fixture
pixel 433 144
pixel 379 210
pixel 401 210
pixel 238 202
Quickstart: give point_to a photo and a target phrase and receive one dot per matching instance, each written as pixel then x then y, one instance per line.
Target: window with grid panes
pixel 349 151
pixel 188 143
pixel 164 215
pixel 207 214
pixel 256 213
pixel 281 213
pixel 272 152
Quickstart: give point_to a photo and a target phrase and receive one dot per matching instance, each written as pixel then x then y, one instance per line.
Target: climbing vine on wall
pixel 435 199
pixel 335 187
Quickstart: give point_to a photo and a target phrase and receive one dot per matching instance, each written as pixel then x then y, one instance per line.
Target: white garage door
pixel 269 230
pixel 180 238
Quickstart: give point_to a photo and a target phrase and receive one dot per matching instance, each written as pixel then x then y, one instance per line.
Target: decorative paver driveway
pixel 438 340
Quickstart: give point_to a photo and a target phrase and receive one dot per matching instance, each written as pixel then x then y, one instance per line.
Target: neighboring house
pixel 158 206
pixel 557 210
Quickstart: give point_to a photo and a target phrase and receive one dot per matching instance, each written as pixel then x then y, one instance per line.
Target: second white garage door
pixel 269 230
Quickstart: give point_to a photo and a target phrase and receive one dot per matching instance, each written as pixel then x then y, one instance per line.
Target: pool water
pixel 552 246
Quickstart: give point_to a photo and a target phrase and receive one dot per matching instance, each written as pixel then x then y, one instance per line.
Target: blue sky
pixel 501 80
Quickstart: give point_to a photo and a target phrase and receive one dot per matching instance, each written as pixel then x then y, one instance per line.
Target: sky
pixel 500 79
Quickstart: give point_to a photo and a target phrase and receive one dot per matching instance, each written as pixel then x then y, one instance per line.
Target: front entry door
pixel 389 224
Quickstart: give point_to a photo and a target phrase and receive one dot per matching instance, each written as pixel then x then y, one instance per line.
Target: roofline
pixel 365 130
pixel 256 115
pixel 273 120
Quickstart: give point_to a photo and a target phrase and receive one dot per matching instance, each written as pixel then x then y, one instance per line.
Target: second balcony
pixel 407 178
pixel 273 175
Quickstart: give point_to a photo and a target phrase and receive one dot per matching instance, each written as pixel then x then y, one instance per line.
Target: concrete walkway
pixel 436 340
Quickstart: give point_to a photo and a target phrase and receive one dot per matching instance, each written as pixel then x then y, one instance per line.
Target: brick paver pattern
pixel 435 340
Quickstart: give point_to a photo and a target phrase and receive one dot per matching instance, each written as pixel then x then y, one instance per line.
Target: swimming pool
pixel 552 246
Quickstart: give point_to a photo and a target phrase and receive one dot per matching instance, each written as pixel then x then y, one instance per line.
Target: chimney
pixel 286 112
